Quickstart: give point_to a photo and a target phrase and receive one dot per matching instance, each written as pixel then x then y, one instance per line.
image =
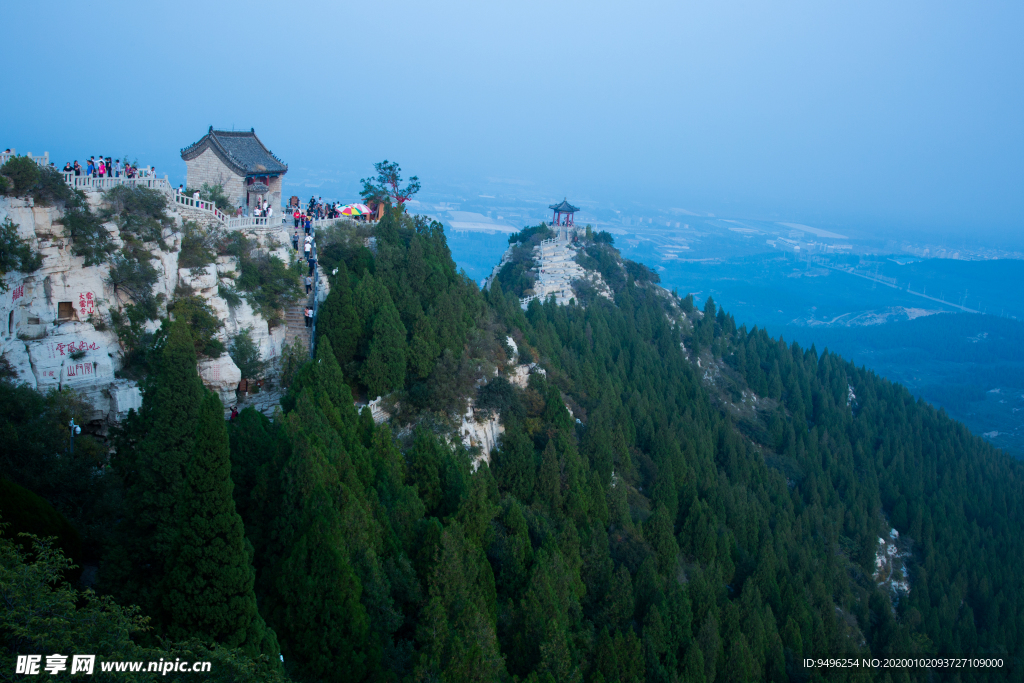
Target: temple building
pixel 562 219
pixel 239 162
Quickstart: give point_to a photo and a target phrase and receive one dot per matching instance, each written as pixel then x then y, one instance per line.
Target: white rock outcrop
pixel 480 431
pixel 52 321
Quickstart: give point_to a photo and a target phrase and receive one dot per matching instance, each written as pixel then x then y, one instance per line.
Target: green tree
pixel 36 599
pixel 315 602
pixel 152 455
pixel 386 187
pixel 384 370
pixel 338 320
pixel 245 352
pixel 15 253
pixel 208 589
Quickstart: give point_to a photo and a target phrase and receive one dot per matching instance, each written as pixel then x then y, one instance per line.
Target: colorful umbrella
pixel 351 210
pixel 362 207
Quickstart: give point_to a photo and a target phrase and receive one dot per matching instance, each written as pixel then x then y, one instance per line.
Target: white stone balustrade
pixel 42 161
pixel 201 204
pixel 87 182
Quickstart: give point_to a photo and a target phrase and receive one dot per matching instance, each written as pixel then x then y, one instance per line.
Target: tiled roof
pixel 241 151
pixel 564 207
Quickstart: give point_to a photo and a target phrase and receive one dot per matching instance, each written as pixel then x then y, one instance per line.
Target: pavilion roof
pixel 241 151
pixel 564 207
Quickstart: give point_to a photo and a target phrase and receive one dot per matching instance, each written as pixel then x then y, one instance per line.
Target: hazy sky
pixel 890 116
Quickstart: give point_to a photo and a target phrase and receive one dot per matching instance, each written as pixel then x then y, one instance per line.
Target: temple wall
pixel 208 168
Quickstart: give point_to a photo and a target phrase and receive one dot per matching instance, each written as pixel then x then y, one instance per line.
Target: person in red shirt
pixel 296 216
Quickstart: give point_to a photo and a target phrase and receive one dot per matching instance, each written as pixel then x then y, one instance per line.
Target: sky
pixel 879 116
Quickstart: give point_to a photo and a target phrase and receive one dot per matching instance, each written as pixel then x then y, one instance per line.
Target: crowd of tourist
pixel 104 167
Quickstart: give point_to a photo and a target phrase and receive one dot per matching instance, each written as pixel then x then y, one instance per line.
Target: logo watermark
pixel 34 665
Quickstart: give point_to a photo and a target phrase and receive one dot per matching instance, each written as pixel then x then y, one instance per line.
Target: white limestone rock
pixel 222 376
pixel 480 431
pixel 16 354
pixel 53 365
pixel 124 396
pixel 199 279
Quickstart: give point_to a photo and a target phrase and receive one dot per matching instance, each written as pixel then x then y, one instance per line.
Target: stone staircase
pixel 296 324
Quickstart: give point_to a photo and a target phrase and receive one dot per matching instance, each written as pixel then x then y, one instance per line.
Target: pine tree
pixel 208 589
pixel 154 471
pixel 338 319
pixel 384 370
pixel 315 602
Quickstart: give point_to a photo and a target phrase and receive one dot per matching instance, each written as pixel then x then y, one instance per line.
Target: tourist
pixel 309 284
pixel 117 168
pixel 296 216
pixel 312 264
pixel 68 168
pixel 90 169
pixel 195 197
pixel 180 189
pixel 295 239
pixel 234 412
pixel 110 168
pixel 78 168
pixel 308 312
pixel 308 248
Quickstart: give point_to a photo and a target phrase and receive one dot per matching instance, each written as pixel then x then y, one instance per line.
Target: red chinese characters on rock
pixel 18 292
pixel 79 369
pixel 59 349
pixel 86 304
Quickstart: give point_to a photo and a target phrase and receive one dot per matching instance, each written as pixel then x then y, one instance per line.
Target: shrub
pixel 229 294
pixel 245 352
pixel 267 282
pixel 23 174
pixel 641 273
pixel 532 236
pixel 129 325
pixel 138 211
pixel 15 253
pixel 85 231
pixel 203 323
pixel 215 194
pixel 132 273
pixel 197 245
pixel 21 177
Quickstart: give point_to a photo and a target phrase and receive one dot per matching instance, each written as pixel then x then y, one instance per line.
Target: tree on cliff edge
pixel 386 187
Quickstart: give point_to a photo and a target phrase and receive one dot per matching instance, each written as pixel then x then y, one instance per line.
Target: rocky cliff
pixel 55 320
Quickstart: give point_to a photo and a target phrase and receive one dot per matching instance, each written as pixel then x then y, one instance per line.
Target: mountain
pixel 670 497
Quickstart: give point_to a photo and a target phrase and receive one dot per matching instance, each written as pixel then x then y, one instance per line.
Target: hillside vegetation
pixel 673 499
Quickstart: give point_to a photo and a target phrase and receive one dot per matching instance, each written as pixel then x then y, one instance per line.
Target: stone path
pixel 296 323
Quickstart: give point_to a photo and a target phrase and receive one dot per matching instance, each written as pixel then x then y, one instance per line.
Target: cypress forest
pixel 673 498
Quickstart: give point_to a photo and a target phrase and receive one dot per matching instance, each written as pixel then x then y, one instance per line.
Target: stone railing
pixel 198 204
pixel 260 222
pixel 87 182
pixel 42 161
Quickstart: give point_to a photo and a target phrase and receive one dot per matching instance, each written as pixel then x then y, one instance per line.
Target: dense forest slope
pixel 673 498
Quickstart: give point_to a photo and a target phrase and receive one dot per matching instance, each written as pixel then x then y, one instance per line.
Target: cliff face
pixel 54 322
